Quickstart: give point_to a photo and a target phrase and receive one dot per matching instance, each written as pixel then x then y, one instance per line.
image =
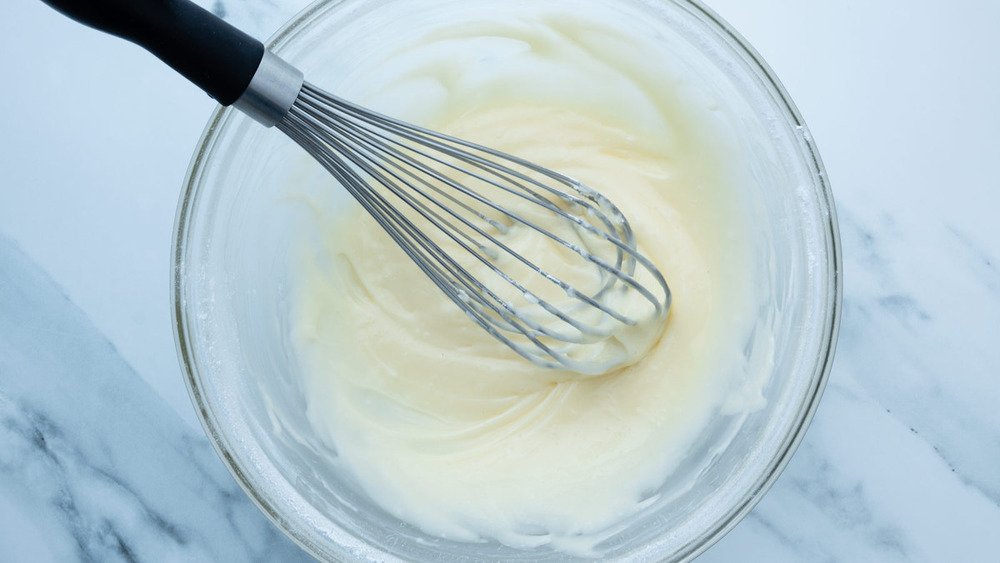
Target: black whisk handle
pixel 209 52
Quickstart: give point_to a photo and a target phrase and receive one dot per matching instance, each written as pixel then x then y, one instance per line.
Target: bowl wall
pixel 239 223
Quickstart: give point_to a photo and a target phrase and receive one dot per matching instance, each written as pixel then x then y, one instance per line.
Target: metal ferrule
pixel 271 91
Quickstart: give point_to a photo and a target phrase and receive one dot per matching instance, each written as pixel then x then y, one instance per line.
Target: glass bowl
pixel 234 234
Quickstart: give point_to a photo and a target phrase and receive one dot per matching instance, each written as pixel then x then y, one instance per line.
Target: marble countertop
pixel 102 457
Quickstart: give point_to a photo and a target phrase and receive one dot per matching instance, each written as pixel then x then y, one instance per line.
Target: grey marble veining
pixel 109 472
pixel 902 462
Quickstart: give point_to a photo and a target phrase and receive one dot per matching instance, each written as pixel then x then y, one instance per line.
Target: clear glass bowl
pixel 231 294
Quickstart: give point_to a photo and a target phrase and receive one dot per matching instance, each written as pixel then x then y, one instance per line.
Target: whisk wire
pixel 492 167
pixel 375 168
pixel 379 161
pixel 348 128
pixel 396 225
pixel 373 156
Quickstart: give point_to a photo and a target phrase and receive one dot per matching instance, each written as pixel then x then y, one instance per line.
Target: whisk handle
pixel 209 52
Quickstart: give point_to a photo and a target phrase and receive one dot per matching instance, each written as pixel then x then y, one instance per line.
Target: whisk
pixel 451 205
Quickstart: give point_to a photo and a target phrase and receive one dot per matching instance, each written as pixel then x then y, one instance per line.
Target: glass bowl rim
pixel 182 317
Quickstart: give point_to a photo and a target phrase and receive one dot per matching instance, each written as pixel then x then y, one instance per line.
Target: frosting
pixel 452 431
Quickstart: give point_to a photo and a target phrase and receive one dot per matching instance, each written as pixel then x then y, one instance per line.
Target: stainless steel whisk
pixel 448 203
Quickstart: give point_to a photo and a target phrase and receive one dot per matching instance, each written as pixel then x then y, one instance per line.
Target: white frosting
pixel 447 428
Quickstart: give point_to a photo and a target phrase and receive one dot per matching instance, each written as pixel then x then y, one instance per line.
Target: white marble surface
pixel 101 457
